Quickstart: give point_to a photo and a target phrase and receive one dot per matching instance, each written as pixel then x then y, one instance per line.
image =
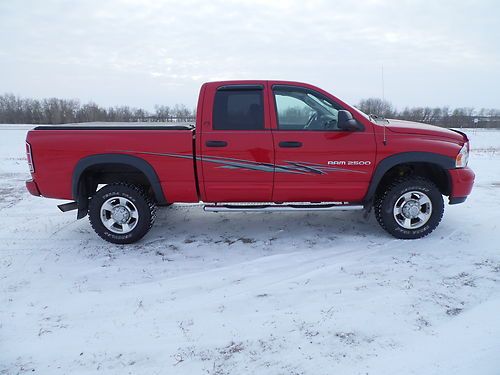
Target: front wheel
pixel 409 208
pixel 121 213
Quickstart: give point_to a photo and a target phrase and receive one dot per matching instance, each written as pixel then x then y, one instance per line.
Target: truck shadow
pixel 190 224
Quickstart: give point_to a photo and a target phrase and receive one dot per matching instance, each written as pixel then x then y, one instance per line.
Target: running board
pixel 281 207
pixel 68 206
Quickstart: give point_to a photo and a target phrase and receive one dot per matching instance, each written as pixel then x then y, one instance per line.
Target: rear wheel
pixel 409 208
pixel 121 213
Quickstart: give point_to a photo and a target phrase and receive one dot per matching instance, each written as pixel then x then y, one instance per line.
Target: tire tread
pixel 382 198
pixel 142 193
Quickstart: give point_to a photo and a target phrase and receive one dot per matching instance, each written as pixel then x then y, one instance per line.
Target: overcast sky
pixel 142 53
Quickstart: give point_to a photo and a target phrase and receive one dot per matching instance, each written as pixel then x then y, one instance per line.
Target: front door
pixel 236 146
pixel 315 160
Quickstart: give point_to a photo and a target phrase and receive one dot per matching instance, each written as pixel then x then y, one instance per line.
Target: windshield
pixel 362 113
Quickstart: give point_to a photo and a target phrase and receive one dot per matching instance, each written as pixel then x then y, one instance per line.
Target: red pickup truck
pixel 257 146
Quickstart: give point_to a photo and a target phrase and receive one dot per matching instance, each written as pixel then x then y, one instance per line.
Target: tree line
pixel 465 117
pixel 18 110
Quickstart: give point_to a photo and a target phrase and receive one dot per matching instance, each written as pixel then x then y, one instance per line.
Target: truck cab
pixel 286 142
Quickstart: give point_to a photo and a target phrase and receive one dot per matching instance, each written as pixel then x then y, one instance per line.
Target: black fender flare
pixel 89 161
pixel 443 161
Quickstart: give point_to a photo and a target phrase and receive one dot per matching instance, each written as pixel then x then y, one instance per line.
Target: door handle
pixel 290 144
pixel 216 143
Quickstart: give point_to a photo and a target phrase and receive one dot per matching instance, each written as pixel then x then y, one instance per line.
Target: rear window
pixel 238 110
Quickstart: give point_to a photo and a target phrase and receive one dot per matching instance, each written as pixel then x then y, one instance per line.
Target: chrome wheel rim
pixel 412 210
pixel 119 215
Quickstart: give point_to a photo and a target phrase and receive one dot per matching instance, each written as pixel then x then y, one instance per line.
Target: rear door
pixel 236 144
pixel 315 160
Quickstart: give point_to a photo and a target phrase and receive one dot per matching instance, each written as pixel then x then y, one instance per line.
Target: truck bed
pixel 58 148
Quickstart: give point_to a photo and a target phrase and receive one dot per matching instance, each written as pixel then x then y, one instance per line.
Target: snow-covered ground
pixel 288 293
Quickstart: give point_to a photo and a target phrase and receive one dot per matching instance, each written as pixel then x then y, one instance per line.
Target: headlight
pixel 463 156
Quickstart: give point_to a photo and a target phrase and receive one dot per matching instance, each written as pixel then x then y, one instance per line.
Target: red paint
pixel 461 181
pixel 32 188
pixel 56 152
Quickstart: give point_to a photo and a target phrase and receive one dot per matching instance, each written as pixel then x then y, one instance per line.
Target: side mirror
pixel 347 122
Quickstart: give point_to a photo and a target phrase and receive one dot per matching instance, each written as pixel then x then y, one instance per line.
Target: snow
pixel 281 293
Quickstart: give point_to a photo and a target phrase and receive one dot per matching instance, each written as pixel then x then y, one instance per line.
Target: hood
pixel 410 127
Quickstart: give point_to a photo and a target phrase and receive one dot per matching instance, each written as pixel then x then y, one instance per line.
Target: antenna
pixel 383 88
pixel 385 137
pixel 383 101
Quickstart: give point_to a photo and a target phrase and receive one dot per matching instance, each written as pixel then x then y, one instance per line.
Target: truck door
pixel 237 155
pixel 315 160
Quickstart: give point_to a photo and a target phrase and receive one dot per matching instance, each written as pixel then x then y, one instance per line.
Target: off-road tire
pixel 145 205
pixel 386 200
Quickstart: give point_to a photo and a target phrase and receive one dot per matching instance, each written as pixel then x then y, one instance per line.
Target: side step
pixel 68 206
pixel 280 207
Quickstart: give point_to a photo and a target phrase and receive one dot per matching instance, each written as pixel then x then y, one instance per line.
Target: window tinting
pixel 238 110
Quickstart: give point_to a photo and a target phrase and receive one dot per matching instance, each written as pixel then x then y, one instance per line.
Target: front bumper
pixel 462 180
pixel 32 188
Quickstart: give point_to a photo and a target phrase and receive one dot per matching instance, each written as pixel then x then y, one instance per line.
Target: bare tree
pixel 376 106
pixel 163 112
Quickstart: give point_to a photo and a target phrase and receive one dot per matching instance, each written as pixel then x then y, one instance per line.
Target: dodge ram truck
pixel 256 146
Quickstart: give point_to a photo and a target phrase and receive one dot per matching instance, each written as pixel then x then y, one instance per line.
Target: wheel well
pixel 109 173
pixel 86 182
pixel 431 171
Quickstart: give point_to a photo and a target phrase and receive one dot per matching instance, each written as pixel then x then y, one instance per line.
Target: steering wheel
pixel 311 119
pixel 330 123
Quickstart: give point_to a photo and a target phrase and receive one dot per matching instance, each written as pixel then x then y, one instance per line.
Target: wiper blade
pixel 374 117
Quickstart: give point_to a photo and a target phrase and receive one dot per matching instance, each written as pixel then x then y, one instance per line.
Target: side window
pixel 304 110
pixel 293 113
pixel 238 110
